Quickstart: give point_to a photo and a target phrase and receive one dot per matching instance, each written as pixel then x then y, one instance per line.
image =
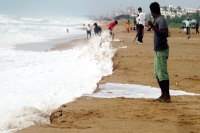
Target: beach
pixel 133 64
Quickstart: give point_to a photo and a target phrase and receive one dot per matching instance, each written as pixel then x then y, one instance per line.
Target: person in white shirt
pixel 137 22
pixel 142 19
pixel 88 30
pixel 187 23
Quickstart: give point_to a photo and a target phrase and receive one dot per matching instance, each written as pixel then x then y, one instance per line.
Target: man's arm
pixel 162 32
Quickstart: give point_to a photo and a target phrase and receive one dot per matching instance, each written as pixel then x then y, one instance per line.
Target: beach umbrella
pixel 184 21
pixel 193 21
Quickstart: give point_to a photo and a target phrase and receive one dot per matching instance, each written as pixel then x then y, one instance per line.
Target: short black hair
pixel 140 8
pixel 155 8
pixel 116 22
pixel 95 24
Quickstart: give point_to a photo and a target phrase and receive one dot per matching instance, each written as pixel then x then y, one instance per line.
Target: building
pixel 169 11
pixel 130 10
pixel 189 10
pixel 173 11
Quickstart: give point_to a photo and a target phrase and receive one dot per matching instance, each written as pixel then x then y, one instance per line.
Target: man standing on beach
pixel 142 19
pixel 97 29
pixel 88 31
pixel 187 23
pixel 197 27
pixel 161 48
pixel 110 28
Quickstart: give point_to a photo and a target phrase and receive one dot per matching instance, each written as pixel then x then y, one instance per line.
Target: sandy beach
pixel 134 65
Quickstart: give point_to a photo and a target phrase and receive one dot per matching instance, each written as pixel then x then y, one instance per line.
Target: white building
pixel 173 11
pixel 189 10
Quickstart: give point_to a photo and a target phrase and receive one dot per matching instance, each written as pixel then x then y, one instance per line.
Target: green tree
pixel 171 10
pixel 165 9
pixel 122 17
pixel 179 8
pixel 195 16
pixel 168 18
pixel 175 11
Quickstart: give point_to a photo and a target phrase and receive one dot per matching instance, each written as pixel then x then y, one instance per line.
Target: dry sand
pixel 134 65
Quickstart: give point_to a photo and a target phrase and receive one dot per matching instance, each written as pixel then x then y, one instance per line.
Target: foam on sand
pixel 113 90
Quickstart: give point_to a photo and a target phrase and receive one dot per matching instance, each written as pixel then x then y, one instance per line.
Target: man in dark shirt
pixel 97 29
pixel 161 49
pixel 197 27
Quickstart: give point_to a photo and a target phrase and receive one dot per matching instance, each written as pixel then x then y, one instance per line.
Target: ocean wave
pixel 33 84
pixel 16 30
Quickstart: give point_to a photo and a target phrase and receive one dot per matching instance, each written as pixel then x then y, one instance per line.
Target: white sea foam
pixel 113 90
pixel 33 84
pixel 19 30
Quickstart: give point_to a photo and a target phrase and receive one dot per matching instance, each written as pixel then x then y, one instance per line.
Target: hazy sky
pixel 63 8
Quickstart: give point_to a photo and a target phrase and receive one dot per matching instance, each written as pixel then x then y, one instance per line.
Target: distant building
pixel 173 11
pixel 189 10
pixel 130 10
pixel 168 11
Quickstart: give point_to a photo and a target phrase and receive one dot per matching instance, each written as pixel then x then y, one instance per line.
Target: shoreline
pixel 49 45
pixel 77 41
pixel 134 65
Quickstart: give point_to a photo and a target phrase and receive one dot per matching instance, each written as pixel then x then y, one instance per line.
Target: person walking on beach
pixel 110 28
pixel 197 27
pixel 142 19
pixel 128 26
pixel 187 24
pixel 88 31
pixel 161 49
pixel 137 36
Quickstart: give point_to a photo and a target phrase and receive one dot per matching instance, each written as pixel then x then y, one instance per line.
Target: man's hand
pixel 150 23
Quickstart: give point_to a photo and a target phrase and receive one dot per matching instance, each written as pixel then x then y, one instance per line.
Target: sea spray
pixel 33 84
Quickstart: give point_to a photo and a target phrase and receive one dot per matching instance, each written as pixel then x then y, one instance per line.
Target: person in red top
pixel 110 28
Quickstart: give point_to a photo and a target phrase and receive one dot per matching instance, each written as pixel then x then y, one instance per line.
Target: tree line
pixel 174 22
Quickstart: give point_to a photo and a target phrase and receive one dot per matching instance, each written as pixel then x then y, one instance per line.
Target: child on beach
pixel 88 30
pixel 128 25
pixel 110 28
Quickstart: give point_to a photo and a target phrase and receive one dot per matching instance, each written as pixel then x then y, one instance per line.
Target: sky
pixel 64 8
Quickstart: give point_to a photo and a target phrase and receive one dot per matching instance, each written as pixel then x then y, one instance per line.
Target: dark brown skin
pixel 165 96
pixel 162 31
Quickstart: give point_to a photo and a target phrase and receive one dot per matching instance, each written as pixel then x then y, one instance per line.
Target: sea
pixel 34 80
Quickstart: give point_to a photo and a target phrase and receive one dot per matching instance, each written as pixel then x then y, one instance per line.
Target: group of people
pixel 188 26
pixel 139 25
pixel 97 30
pixel 161 47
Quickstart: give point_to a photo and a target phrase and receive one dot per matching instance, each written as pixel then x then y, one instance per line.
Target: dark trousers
pixel 197 30
pixel 141 27
pixel 137 26
pixel 188 30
